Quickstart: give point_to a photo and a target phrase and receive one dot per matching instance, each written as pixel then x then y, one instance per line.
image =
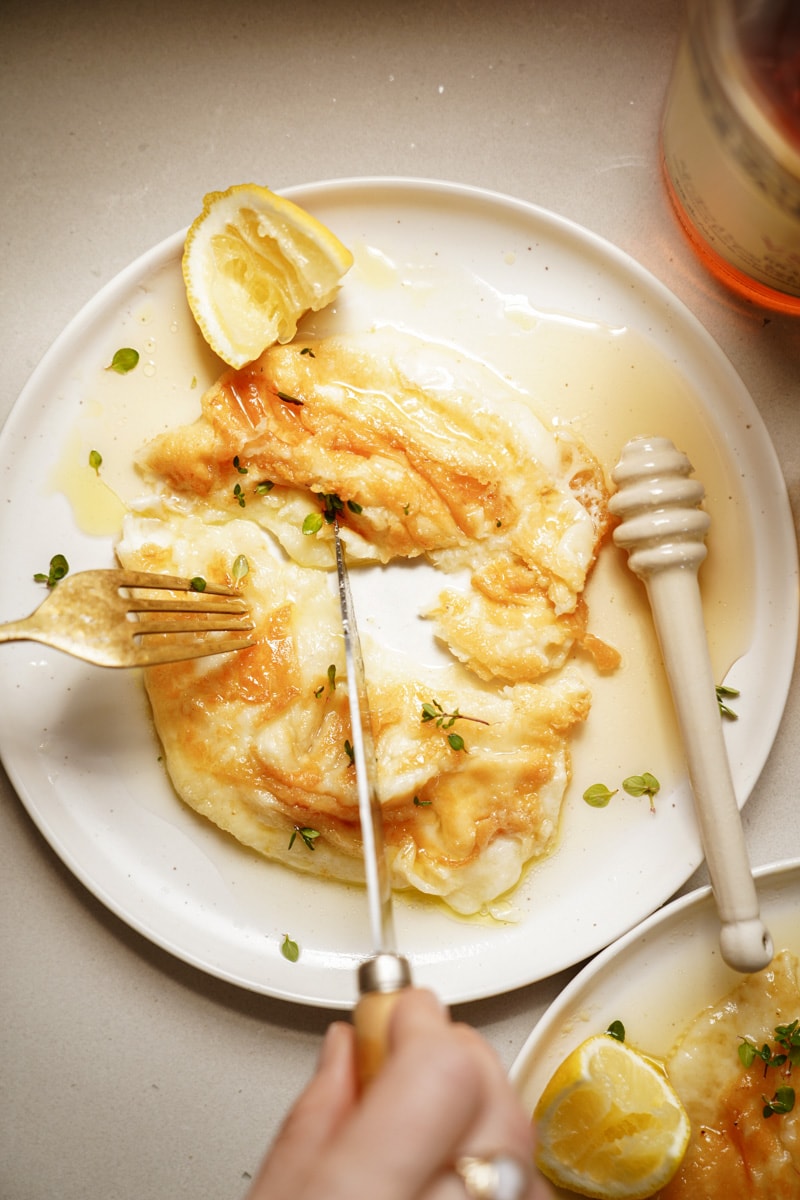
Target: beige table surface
pixel 125 1074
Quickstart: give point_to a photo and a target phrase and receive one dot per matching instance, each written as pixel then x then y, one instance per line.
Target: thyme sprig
pixel 433 711
pixel 332 506
pixel 783 1056
pixel 306 835
pixel 642 785
pixel 59 567
pixel 724 694
pixel 331 676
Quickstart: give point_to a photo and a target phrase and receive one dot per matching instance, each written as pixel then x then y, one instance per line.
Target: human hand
pixel 442 1095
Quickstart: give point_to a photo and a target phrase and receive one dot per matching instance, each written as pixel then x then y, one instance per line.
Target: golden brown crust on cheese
pixel 256 741
pixel 429 456
pixel 429 469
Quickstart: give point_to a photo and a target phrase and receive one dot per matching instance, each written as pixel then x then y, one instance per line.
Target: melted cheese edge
pixel 735 1153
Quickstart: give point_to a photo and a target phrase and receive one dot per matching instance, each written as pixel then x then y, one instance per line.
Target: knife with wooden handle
pixel 385 973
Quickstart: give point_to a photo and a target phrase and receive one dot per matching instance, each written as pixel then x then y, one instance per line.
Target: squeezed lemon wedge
pixel 253 264
pixel 609 1123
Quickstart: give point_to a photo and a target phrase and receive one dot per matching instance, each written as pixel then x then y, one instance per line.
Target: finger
pixel 500 1126
pixel 500 1123
pixel 313 1122
pixel 412 1120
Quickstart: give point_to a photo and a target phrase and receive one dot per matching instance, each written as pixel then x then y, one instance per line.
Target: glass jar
pixel 730 142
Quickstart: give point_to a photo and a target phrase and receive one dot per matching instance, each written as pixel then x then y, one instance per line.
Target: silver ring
pixel 501 1177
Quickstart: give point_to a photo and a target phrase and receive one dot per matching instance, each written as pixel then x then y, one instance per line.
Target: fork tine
pixel 191 602
pixel 175 583
pixel 170 650
pixel 200 622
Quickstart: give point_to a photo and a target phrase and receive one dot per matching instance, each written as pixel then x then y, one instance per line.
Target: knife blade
pixel 385 972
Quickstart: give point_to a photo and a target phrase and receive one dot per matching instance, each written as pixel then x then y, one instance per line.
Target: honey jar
pixel 730 142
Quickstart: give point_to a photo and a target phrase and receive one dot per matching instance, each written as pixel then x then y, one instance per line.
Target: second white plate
pixel 655 980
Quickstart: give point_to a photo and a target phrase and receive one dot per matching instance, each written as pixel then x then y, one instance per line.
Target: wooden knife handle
pixel 381 979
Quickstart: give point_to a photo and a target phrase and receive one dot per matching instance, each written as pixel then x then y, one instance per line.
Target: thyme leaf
pixel 312 524
pixel 432 710
pixel 598 795
pixel 240 567
pixel 124 360
pixel 290 949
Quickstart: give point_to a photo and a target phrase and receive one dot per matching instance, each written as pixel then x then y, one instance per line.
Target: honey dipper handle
pixel 663 530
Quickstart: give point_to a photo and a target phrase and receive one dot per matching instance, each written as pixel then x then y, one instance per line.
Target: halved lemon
pixel 609 1123
pixel 253 264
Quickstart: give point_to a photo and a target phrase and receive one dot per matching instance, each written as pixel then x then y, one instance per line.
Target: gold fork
pixel 135 619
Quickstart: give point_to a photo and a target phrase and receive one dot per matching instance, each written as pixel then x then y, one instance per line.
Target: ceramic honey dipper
pixel 663 529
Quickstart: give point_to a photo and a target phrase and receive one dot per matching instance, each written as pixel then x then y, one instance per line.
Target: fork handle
pixel 663 530
pixel 20 631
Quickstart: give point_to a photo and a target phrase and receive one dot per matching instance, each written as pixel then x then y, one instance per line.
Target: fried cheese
pixel 426 454
pixel 735 1152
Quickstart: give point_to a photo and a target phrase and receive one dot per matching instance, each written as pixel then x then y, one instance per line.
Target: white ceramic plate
pixel 655 980
pixel 576 321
